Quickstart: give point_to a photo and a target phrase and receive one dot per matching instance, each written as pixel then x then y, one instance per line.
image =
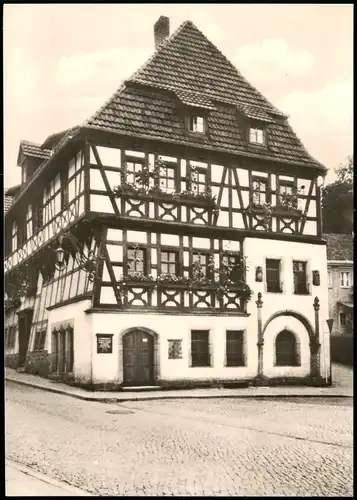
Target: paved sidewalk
pixel 344 389
pixel 21 481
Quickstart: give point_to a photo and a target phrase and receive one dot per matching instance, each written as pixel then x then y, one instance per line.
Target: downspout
pixel 260 343
pixel 315 344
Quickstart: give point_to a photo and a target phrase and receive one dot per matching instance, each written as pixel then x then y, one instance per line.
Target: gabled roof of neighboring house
pixel 187 62
pixel 13 190
pixel 339 246
pixel 9 194
pixel 7 202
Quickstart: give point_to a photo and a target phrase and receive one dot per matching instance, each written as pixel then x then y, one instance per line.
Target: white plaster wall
pixel 81 336
pixel 257 250
pixel 106 367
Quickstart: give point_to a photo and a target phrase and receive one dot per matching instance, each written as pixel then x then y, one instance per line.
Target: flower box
pixel 137 284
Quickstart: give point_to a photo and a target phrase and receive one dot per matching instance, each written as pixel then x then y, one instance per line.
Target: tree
pixel 344 171
pixel 337 201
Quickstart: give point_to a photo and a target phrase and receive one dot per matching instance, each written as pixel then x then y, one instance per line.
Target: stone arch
pixel 156 342
pixel 294 314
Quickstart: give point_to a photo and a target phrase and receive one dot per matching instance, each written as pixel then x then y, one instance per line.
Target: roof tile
pixel 189 66
pixel 32 149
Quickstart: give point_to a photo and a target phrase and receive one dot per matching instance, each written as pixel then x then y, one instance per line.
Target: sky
pixel 63 61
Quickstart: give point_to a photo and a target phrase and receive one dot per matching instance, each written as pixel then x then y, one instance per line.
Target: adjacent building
pixel 340 282
pixel 172 239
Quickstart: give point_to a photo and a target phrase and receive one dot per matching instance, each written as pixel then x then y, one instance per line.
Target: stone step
pixel 142 388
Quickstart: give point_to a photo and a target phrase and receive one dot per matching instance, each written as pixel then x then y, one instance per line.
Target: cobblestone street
pixel 288 447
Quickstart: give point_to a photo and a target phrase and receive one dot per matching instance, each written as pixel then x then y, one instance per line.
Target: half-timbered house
pixel 173 238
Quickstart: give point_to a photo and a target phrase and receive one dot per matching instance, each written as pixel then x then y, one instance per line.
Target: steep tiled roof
pixel 32 149
pixel 339 246
pixel 187 62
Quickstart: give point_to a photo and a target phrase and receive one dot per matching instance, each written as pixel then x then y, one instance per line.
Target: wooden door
pixel 25 321
pixel 138 358
pixel 62 351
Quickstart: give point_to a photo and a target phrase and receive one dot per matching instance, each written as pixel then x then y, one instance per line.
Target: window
pixel 29 225
pixel 14 237
pixel 231 268
pixel 345 278
pixel 169 262
pixel 133 168
pixel 200 265
pixel 23 174
pixel 136 260
pixel 8 242
pixel 64 189
pixel 37 219
pixel 21 232
pixel 196 124
pixel 234 348
pixel 62 350
pixel 329 275
pixel 286 194
pixel 343 319
pixel 286 349
pixel 256 136
pixel 260 190
pixel 11 336
pixel 199 179
pixel 40 340
pixel 300 281
pixel 200 355
pixel 167 178
pixel 272 272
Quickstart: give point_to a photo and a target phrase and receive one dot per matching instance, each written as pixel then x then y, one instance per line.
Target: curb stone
pixel 46 479
pixel 141 397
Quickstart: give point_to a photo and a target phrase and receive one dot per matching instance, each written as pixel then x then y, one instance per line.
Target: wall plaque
pixel 104 343
pixel 175 349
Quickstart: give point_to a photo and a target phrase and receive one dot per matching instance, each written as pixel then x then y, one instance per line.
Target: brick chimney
pixel 161 30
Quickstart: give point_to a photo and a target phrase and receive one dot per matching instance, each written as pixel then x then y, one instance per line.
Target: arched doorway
pixel 286 353
pixel 138 358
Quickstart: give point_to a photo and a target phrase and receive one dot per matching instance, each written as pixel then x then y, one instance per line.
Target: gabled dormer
pixel 255 123
pixel 196 108
pixel 30 157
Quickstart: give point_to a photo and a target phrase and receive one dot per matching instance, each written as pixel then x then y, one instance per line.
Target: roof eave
pixel 68 137
pixel 207 147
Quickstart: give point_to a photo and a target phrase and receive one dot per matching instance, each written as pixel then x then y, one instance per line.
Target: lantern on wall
pixel 59 256
pixel 259 274
pixel 316 278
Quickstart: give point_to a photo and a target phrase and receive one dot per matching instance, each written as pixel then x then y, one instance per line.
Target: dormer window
pixel 196 124
pixel 256 136
pixel 23 174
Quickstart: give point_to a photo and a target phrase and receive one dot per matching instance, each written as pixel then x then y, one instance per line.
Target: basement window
pixel 196 124
pixel 256 136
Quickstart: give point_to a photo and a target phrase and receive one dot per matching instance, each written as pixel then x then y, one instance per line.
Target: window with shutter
pixel 300 278
pixel 272 273
pixel 200 355
pixel 234 348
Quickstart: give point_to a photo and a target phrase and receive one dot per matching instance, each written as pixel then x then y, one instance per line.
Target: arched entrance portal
pixel 138 358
